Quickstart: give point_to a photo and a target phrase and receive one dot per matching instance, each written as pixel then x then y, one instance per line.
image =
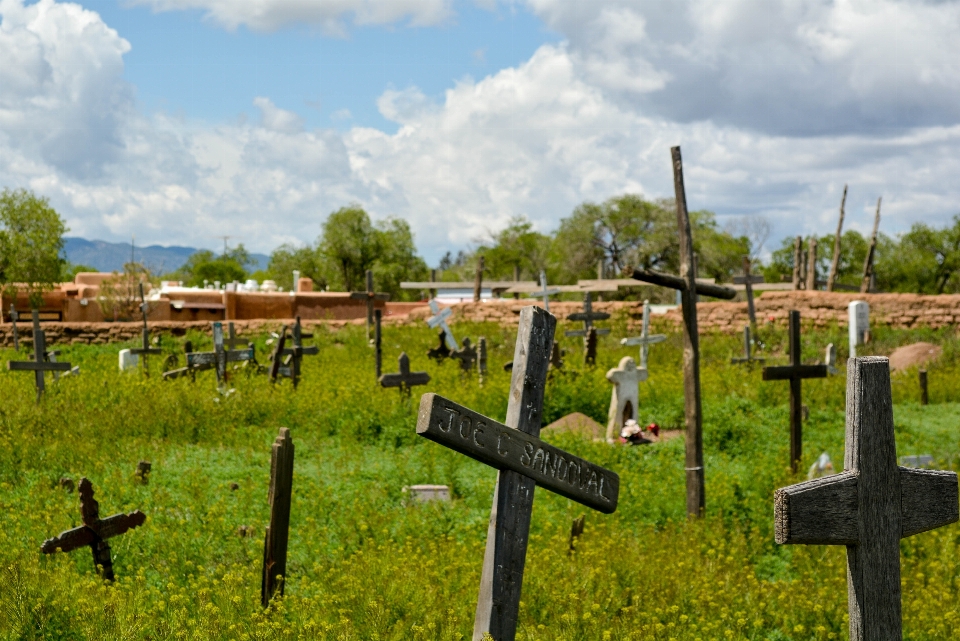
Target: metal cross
pixel 405 379
pixel 645 340
pixel 219 357
pixel 587 316
pixel 467 356
pixel 439 319
pixel 39 364
pixel 370 297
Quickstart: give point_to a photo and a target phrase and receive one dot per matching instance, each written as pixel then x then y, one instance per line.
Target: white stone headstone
pixel 425 493
pixel 625 398
pixel 128 360
pixel 831 359
pixel 859 313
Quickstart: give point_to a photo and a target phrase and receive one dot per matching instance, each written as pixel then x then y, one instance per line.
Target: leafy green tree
pixel 853 253
pixel 31 243
pixel 398 260
pixel 204 265
pixel 517 245
pixel 286 258
pixel 926 261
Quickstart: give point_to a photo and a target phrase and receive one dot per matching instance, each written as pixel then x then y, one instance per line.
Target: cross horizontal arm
pixel 787 372
pixel 818 512
pixel 410 380
pixel 120 523
pixel 929 499
pixel 147 350
pixel 675 282
pixel 78 537
pixel 641 340
pixel 313 350
pixel 591 316
pixel 501 447
pixel 583 332
pixel 33 366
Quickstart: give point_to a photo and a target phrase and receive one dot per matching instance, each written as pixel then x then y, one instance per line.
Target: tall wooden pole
pixel 868 265
pixel 478 281
pixel 812 264
pixel 835 265
pixel 796 396
pixel 275 541
pixel 751 309
pixel 696 499
pixel 797 261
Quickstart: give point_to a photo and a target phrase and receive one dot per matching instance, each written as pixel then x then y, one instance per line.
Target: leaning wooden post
pixel 378 340
pixel 478 281
pixel 835 265
pixel 748 287
pixel 14 317
pixel 797 262
pixel 868 264
pixel 924 398
pixel 275 541
pixel 812 264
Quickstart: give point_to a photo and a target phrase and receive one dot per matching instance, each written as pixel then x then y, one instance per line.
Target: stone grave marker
pixel 587 316
pixel 14 317
pixel 795 372
pixel 145 350
pixel 39 364
pixel 439 319
pixel 688 287
pixel 370 296
pixel 545 293
pixel 625 398
pixel 278 532
pixel 427 493
pixel 868 507
pixel 127 360
pixel 646 339
pixel 590 347
pixel 830 360
pixel 823 466
pixel 859 316
pixel 94 532
pixel 219 357
pixel 404 379
pixel 467 355
pixel 523 461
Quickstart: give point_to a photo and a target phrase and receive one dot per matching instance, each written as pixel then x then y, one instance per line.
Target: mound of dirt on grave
pixel 578 424
pixel 916 354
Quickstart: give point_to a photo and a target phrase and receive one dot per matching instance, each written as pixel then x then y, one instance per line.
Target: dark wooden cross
pixel 870 506
pixel 94 532
pixel 404 379
pixel 795 372
pixel 370 297
pixel 219 357
pixel 14 317
pixel 590 348
pixel 278 532
pixel 748 356
pixel 482 356
pixel 39 364
pixel 144 350
pixel 587 316
pixel 748 282
pixel 290 367
pixel 378 341
pixel 441 351
pixel 466 355
pixel 523 462
pixel 689 288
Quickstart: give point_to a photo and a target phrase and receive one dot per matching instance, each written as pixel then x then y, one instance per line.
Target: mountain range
pixel 109 257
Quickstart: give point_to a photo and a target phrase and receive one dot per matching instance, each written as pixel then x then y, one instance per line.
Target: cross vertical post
pixel 370 297
pixel 144 350
pixel 646 339
pixel 378 341
pixel 924 397
pixel 278 532
pixel 39 364
pixel 835 264
pixel 439 319
pixel 14 317
pixel 865 284
pixel 748 288
pixel 544 292
pixel 478 281
pixel 405 379
pixel 812 264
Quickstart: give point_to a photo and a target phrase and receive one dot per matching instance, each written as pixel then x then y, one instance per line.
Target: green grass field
pixel 364 565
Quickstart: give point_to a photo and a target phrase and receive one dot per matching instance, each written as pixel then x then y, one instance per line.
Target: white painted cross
pixel 544 292
pixel 625 398
pixel 870 506
pixel 439 319
pixel 859 315
pixel 645 340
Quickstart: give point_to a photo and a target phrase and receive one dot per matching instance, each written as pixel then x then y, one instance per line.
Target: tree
pixel 398 260
pixel 853 253
pixel 120 294
pixel 31 243
pixel 203 266
pixel 350 244
pixel 286 258
pixel 925 261
pixel 517 245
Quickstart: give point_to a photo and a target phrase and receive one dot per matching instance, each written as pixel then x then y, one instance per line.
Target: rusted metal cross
pixel 144 350
pixel 94 532
pixel 40 363
pixel 370 296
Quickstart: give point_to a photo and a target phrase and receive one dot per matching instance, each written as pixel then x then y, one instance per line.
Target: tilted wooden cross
pixel 219 357
pixel 94 532
pixel 524 462
pixel 370 297
pixel 467 355
pixel 544 292
pixel 748 281
pixel 646 339
pixel 587 316
pixel 748 356
pixel 144 350
pixel 39 364
pixel 870 506
pixel 278 532
pixel 689 288
pixel 439 319
pixel 795 372
pixel 404 379
pixel 14 317
pixel 290 366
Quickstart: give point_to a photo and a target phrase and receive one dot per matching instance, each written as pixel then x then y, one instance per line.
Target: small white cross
pixel 439 319
pixel 645 339
pixel 544 292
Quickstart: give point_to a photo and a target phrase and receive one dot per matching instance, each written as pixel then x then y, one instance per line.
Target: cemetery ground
pixel 364 563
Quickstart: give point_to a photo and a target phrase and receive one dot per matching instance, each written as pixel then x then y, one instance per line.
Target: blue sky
pixel 182 120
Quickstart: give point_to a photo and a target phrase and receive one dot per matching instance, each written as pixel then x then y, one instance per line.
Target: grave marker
pixel 625 398
pixel 858 313
pixel 370 297
pixel 587 316
pixel 439 319
pixel 523 461
pixel 441 351
pixel 127 360
pixel 14 317
pixel 835 264
pixel 94 532
pixel 482 356
pixel 924 396
pixel 590 350
pixel 145 349
pixel 278 532
pixel 830 359
pixel 219 357
pixel 866 284
pixel 466 355
pixel 544 292
pixel 688 287
pixel 868 507
pixel 378 342
pixel 290 366
pixel 748 356
pixel 646 339
pixel 748 281
pixel 39 364
pixel 795 373
pixel 823 466
pixel 556 356
pixel 404 379
pixel 427 493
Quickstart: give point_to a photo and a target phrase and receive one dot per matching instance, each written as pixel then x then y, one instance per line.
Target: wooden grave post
pixel 524 461
pixel 556 357
pixel 544 292
pixel 439 319
pixel 378 341
pixel 867 281
pixel 278 532
pixel 404 379
pixel 869 506
pixel 94 532
pixel 748 281
pixel 812 264
pixel 587 316
pixel 145 350
pixel 467 355
pixel 370 297
pixel 478 281
pixel 219 357
pixel 795 372
pixel 290 367
pixel 798 263
pixel 482 356
pixel 39 364
pixel 689 288
pixel 231 336
pixel 516 279
pixel 835 264
pixel 924 396
pixel 748 356
pixel 14 317
pixel 646 339
pixel 590 347
pixel 189 369
pixel 277 355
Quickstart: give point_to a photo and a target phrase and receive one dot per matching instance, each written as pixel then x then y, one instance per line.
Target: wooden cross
pixel 689 288
pixel 870 506
pixel 544 292
pixel 94 532
pixel 748 281
pixel 439 319
pixel 405 379
pixel 748 356
pixel 467 355
pixel 370 297
pixel 590 349
pixel 524 461
pixel 277 356
pixel 219 357
pixel 14 317
pixel 795 372
pixel 625 399
pixel 291 365
pixel 587 316
pixel 441 351
pixel 482 356
pixel 39 364
pixel 378 341
pixel 646 339
pixel 144 350
pixel 278 532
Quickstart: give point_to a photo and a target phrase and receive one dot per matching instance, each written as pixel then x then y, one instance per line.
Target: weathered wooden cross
pixel 290 366
pixel 590 347
pixel 39 364
pixel 748 356
pixel 587 316
pixel 795 372
pixel 544 292
pixel 219 357
pixel 278 532
pixel 439 319
pixel 646 339
pixel 689 288
pixel 378 341
pixel 370 297
pixel 14 317
pixel 467 355
pixel 482 356
pixel 748 281
pixel 144 350
pixel 870 506
pixel 94 532
pixel 523 461
pixel 405 379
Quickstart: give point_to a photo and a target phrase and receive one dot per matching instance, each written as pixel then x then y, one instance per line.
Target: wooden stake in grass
pixel 924 398
pixel 279 497
pixel 835 265
pixel 870 506
pixel 39 364
pixel 94 532
pixel 795 372
pixel 689 289
pixel 590 349
pixel 370 297
pixel 478 281
pixel 523 461
pixel 145 350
